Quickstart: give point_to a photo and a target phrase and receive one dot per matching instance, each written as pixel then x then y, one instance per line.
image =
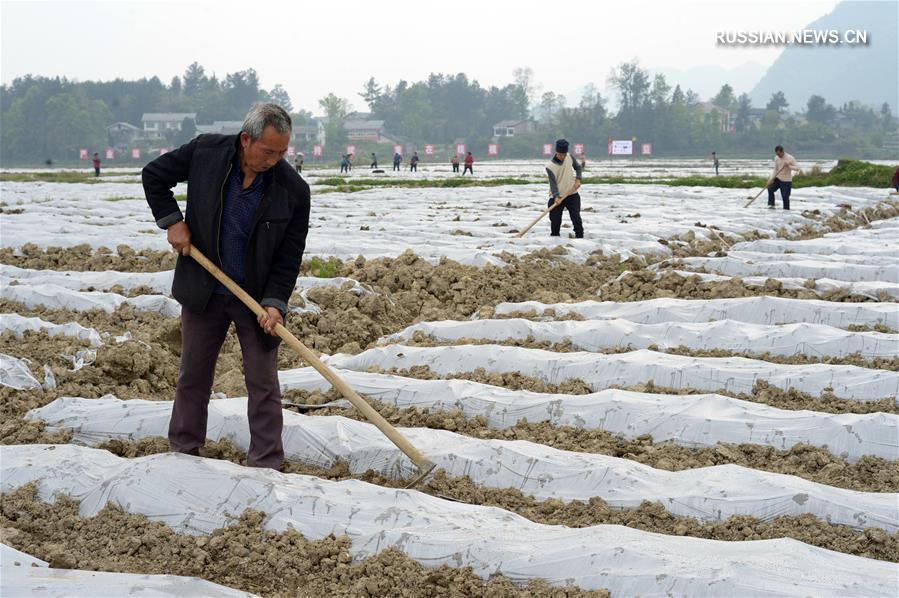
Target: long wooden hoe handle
pixel 540 217
pixel 763 188
pixel 423 464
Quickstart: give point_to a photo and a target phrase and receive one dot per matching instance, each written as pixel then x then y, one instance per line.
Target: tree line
pixel 53 117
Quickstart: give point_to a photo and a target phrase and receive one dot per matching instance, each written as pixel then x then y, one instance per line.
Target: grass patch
pixel 60 177
pixel 324 269
pixel 848 173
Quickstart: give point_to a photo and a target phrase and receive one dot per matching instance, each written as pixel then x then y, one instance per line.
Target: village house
pixel 510 128
pixel 156 124
pixel 221 127
pixel 121 135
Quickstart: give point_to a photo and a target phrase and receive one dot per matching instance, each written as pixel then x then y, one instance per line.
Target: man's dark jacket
pixel 277 238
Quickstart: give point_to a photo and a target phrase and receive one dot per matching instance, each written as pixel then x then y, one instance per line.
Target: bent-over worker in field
pixel 564 181
pixel 782 177
pixel 248 212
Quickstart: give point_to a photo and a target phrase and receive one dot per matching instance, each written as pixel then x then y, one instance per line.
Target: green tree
pixel 725 98
pixel 371 93
pixel 632 84
pixel 279 96
pixel 778 103
pixel 744 105
pixel 195 79
pixel 819 111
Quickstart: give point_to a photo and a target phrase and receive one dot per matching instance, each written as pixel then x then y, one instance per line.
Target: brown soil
pixel 82 258
pixel 868 474
pixel 866 328
pixel 409 289
pixel 241 555
pixel 642 284
pixel 762 392
pixel 648 516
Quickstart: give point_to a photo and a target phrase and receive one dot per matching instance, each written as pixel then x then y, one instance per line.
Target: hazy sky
pixel 313 48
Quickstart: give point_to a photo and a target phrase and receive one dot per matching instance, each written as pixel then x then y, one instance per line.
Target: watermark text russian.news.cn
pixel 802 37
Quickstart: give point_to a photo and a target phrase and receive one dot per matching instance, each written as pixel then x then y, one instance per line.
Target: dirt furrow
pixel 868 474
pixel 649 516
pixel 241 555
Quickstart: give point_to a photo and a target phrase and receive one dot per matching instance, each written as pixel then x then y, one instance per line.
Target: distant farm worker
pixel 374 161
pixel 715 162
pixel 247 211
pixel 469 164
pixel 583 162
pixel 344 163
pixel 413 162
pixel 96 161
pixel 782 177
pixel 397 158
pixel 455 162
pixel 349 161
pixel 298 161
pixel 564 175
pixel 894 182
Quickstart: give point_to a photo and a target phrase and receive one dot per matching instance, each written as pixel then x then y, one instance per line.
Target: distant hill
pixel 869 74
pixel 706 80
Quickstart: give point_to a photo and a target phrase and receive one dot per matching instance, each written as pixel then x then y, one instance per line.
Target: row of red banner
pixel 110 153
pixel 623 147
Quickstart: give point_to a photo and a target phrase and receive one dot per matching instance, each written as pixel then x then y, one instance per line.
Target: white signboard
pixel 622 147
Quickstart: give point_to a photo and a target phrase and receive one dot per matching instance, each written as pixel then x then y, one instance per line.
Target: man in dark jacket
pixel 247 211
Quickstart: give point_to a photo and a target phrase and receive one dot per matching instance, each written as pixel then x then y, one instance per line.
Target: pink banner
pixel 492 149
pixel 398 149
pixel 460 148
pixel 163 150
pixel 82 154
pixel 351 149
pixel 610 146
pixel 110 153
pixel 316 150
pixel 429 150
pixel 135 153
pixel 291 150
pixel 578 149
pixel 646 149
pixel 547 149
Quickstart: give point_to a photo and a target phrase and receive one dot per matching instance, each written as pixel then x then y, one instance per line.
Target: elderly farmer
pixel 248 211
pixel 782 177
pixel 564 180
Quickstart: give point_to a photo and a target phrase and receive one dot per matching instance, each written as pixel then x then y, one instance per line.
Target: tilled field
pixel 734 394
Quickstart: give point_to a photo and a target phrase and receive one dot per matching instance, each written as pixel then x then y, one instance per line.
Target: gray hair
pixel 262 115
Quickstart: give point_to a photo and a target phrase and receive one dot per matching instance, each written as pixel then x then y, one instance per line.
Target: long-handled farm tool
pixel 765 188
pixel 540 217
pixel 425 466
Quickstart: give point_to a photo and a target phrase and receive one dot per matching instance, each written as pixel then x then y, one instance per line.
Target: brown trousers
pixel 202 335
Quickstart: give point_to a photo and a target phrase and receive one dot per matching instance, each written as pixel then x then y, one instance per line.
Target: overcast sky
pixel 313 48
